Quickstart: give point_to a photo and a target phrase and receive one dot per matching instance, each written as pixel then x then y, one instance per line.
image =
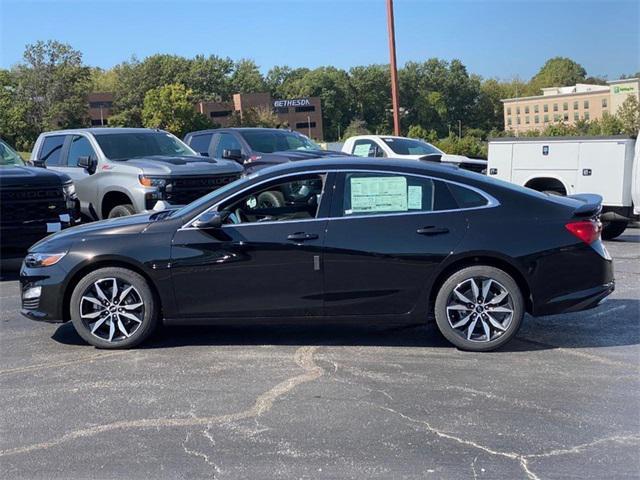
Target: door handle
pixel 431 230
pixel 301 236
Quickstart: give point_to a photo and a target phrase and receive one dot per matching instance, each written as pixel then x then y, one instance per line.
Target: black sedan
pixel 349 239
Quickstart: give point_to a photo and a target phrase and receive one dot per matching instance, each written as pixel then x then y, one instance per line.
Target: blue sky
pixel 495 39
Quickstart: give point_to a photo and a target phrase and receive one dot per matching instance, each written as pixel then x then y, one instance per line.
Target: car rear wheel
pixel 479 308
pixel 113 308
pixel 122 211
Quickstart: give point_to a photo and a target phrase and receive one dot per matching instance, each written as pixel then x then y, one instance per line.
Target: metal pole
pixel 394 69
pixel 101 117
pixel 309 125
pixel 459 128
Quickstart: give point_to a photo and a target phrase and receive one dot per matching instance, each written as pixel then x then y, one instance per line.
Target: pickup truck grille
pixel 31 205
pixel 187 189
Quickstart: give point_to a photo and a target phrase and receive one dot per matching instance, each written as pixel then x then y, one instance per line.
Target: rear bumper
pixel 577 301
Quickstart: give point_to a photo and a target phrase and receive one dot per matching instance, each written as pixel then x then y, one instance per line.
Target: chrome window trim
pixel 491 201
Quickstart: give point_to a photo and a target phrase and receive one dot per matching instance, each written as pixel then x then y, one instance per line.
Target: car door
pixel 77 146
pixel 387 236
pixel 265 259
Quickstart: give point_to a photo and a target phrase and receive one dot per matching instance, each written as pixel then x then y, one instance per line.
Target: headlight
pixel 69 190
pixel 34 260
pixel 151 181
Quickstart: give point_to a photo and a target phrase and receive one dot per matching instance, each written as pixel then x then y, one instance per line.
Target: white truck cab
pixel 389 146
pixel 607 166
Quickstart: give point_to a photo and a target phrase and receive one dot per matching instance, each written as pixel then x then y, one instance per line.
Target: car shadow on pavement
pixel 591 329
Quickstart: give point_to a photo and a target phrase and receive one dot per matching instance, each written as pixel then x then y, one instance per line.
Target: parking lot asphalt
pixel 561 400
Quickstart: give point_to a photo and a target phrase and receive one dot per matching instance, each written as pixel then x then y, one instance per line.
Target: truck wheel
pixel 479 308
pixel 612 230
pixel 113 308
pixel 121 211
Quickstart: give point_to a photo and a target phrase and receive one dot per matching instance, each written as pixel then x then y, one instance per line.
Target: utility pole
pixel 309 125
pixel 459 129
pixel 394 70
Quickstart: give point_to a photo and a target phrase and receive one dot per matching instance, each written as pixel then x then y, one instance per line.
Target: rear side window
pixel 379 193
pixel 465 197
pixel 200 143
pixel 51 149
pixel 366 148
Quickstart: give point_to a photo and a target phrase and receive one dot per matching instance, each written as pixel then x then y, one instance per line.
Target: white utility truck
pixel 608 166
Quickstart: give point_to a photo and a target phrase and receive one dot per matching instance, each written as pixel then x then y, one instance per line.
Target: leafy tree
pixel 210 77
pixel 629 115
pixel 278 79
pixel 557 72
pixel 246 78
pixel 256 117
pixel 372 94
pixel 419 132
pixel 170 107
pixel 356 127
pixel 51 87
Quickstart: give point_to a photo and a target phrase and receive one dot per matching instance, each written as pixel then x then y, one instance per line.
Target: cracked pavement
pixel 560 401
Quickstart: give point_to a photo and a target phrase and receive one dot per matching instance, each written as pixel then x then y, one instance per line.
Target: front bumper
pixel 48 306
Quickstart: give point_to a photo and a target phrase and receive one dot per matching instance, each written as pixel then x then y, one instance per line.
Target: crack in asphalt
pixel 41 366
pixel 202 455
pixel 523 459
pixel 303 357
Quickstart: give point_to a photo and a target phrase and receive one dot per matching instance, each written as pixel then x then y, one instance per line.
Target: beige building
pixel 567 104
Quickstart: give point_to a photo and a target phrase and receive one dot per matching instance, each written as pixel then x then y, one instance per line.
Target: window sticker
pixel 378 194
pixel 414 200
pixel 362 150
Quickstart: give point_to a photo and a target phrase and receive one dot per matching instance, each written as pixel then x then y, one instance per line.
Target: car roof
pixel 103 131
pixel 240 129
pixel 357 137
pixel 343 162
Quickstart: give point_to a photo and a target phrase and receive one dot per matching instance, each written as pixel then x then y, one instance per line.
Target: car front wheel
pixel 479 308
pixel 113 308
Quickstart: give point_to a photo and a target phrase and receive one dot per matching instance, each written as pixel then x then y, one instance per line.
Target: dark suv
pixel 33 203
pixel 256 148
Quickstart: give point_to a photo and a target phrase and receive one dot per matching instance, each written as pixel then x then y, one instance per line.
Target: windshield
pixel 409 146
pixel 269 141
pixel 123 146
pixel 9 158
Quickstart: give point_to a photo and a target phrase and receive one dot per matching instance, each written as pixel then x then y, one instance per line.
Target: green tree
pixel 256 117
pixel 279 78
pixel 629 115
pixel 557 72
pixel 170 107
pixel 50 87
pixel 246 78
pixel 372 95
pixel 356 127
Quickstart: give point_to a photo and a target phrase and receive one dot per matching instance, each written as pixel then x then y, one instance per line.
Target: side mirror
pixel 209 220
pixel 37 163
pixel 87 162
pixel 232 154
pixel 204 154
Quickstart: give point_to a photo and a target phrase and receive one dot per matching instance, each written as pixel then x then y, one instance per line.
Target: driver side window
pixel 297 198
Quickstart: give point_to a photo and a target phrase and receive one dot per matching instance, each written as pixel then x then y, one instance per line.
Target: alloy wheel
pixel 480 309
pixel 111 309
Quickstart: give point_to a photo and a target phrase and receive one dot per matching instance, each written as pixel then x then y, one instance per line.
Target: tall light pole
pixel 394 69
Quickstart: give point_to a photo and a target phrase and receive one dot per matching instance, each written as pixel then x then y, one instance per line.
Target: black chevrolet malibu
pixel 329 240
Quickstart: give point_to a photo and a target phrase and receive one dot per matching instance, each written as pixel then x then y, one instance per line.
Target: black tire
pixel 148 311
pixel 462 278
pixel 121 211
pixel 270 199
pixel 611 230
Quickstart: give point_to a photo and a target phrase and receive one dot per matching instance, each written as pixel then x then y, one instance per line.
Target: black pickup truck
pixel 34 202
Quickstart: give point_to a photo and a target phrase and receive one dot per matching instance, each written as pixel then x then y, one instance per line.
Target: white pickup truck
pixel 608 166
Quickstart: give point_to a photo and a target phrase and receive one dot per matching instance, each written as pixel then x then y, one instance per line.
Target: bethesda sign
pixel 296 102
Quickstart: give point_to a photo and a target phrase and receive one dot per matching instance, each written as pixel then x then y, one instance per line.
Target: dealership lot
pixel 560 401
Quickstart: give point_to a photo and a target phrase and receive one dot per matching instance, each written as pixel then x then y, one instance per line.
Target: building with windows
pixel 567 104
pixel 100 108
pixel 301 114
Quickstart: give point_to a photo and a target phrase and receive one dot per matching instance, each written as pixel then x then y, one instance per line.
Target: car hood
pixel 30 177
pixel 166 165
pixel 132 224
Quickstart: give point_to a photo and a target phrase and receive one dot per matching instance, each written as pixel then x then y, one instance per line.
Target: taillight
pixel 586 230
